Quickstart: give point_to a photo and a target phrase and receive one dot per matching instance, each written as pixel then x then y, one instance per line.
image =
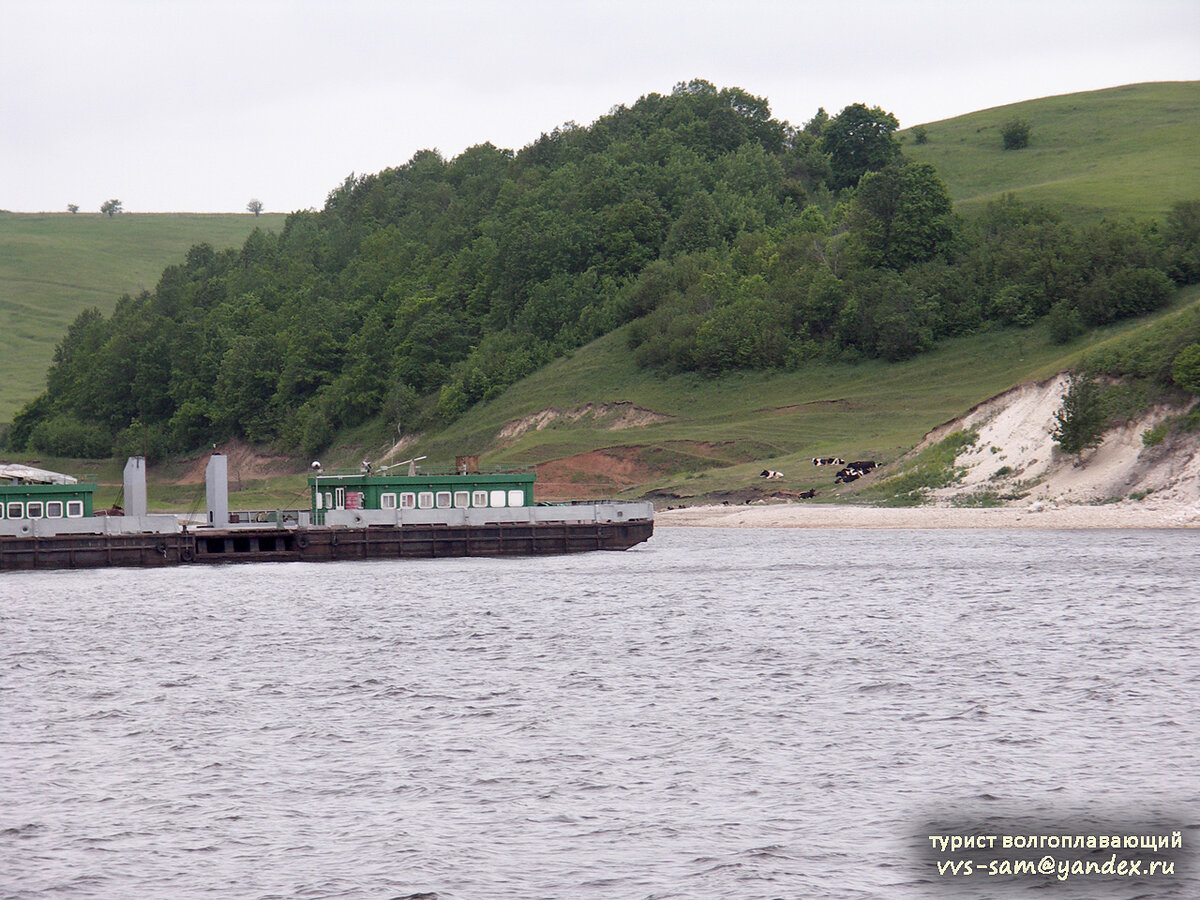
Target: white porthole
pixel 387 501
pixel 15 510
pixel 462 499
pixel 479 498
pixel 425 500
pixel 320 500
pixel 54 509
pixel 408 501
pixel 443 499
pixel 497 498
pixel 74 509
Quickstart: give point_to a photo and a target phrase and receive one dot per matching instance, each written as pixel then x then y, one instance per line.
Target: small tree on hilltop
pixel 1015 134
pixel 72 208
pixel 1079 422
pixel 255 206
pixel 111 207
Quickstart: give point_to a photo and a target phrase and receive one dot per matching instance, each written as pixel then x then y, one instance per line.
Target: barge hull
pixel 325 544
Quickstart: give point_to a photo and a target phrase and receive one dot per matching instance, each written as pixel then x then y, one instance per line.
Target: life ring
pixel 302 540
pixel 186 553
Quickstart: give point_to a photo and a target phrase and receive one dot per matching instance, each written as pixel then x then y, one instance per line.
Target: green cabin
pixel 426 491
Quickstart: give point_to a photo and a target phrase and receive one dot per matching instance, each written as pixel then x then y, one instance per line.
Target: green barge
pixel 361 515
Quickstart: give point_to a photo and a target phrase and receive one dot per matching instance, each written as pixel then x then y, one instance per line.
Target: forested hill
pixel 734 239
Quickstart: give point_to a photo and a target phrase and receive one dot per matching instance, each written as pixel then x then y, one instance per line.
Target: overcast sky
pixel 201 105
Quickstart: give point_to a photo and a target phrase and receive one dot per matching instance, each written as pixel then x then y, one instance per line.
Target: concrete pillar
pixel 216 483
pixel 135 486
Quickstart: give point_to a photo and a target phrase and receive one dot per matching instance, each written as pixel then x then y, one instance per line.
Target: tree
pixel 1079 422
pixel 255 206
pixel 111 207
pixel 860 139
pixel 1015 134
pixel 902 215
pixel 72 208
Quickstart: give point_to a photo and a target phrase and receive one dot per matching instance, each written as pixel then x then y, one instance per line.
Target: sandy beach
pixel 1126 514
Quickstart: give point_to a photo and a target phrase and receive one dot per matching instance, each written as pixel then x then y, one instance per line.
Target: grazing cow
pixel 807 495
pixel 770 473
pixel 828 461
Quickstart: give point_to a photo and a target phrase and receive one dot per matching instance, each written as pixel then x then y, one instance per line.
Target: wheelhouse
pixel 425 491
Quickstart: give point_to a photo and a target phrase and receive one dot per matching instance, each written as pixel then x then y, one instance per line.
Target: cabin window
pixel 387 501
pixel 339 498
pixel 320 500
pixel 54 509
pixel 74 509
pixel 34 509
pixel 328 500
pixel 516 498
pixel 16 510
pixel 462 499
pixel 408 501
pixel 479 498
pixel 497 498
pixel 443 499
pixel 425 500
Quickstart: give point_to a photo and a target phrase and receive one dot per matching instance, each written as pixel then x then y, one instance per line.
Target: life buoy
pixel 186 553
pixel 302 540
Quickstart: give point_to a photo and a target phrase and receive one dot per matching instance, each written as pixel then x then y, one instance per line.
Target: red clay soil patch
pixel 598 473
pixel 245 462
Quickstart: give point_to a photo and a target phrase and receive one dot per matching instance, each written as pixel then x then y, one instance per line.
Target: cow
pixel 770 473
pixel 807 495
pixel 846 476
pixel 864 465
pixel 828 461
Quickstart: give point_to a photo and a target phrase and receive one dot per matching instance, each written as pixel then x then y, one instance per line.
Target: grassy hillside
pixel 1126 151
pixel 711 436
pixel 53 265
pixel 717 434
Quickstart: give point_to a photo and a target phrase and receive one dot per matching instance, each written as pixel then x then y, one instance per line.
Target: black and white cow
pixel 770 473
pixel 828 461
pixel 864 465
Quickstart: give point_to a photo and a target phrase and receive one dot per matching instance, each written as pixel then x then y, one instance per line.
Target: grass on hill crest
pixel 55 265
pixel 1121 152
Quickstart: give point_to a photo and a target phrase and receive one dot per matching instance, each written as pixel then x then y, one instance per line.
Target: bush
pixel 64 436
pixel 1064 322
pixel 150 441
pixel 1015 134
pixel 1155 435
pixel 1185 370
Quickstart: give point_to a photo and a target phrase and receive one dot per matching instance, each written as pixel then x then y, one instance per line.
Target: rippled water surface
pixel 718 713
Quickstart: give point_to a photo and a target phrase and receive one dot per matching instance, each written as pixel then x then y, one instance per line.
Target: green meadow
pixel 716 434
pixel 55 265
pixel 1122 152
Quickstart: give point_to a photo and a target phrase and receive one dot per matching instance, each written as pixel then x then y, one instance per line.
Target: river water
pixel 717 713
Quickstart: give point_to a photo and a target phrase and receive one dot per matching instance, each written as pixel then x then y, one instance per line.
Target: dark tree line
pixel 735 239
